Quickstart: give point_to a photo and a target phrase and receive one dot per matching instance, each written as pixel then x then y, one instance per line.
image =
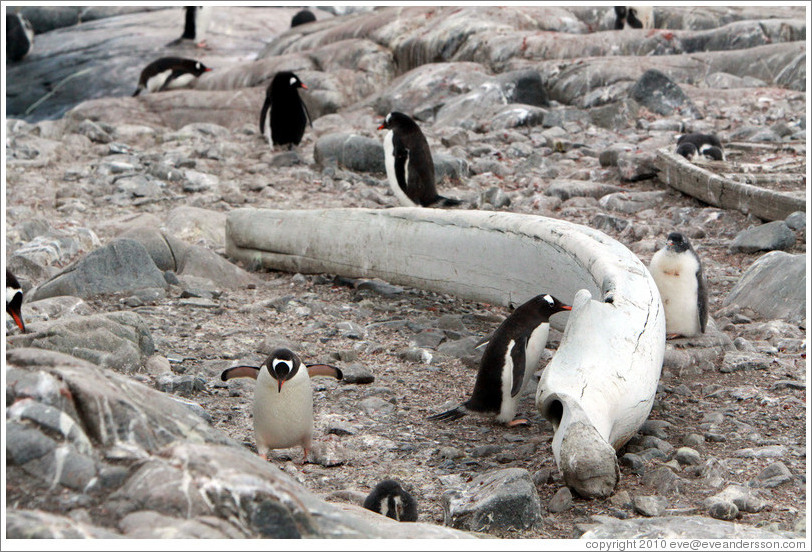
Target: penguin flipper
pixel 701 300
pixel 265 107
pixel 175 74
pixel 453 414
pixel 401 154
pixel 240 372
pixel 517 355
pixel 307 113
pixel 314 370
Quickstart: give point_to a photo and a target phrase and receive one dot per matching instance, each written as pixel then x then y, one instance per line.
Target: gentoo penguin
pixel 688 145
pixel 289 114
pixel 283 399
pixel 677 272
pixel 195 24
pixel 14 299
pixel 168 73
pixel 302 17
pixel 634 17
pixel 19 36
pixel 389 499
pixel 409 165
pixel 509 361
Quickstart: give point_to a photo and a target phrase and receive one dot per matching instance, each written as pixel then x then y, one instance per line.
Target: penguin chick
pixel 677 271
pixel 705 144
pixel 409 165
pixel 14 299
pixel 169 73
pixel 289 114
pixel 283 400
pixel 510 359
pixel 302 17
pixel 389 499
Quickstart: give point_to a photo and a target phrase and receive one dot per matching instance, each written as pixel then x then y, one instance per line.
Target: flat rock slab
pixel 677 527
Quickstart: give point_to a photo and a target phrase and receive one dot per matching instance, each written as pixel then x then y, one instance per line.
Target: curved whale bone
pixel 598 388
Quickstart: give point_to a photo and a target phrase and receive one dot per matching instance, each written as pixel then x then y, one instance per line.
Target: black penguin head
pixel 677 243
pixel 549 305
pixel 198 69
pixel 282 365
pixel 396 119
pixel 713 152
pixel 388 498
pixel 302 17
pixel 284 82
pixel 687 150
pixel 14 299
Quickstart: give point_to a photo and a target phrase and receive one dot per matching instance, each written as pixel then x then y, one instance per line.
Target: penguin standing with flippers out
pixel 509 361
pixel 677 271
pixel 289 115
pixel 409 165
pixel 283 400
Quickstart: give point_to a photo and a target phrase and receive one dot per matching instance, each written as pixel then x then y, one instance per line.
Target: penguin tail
pixel 453 414
pixel 447 201
pixel 137 91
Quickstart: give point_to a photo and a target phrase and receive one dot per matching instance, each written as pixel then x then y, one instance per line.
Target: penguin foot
pixel 202 44
pixel 673 336
pixel 519 422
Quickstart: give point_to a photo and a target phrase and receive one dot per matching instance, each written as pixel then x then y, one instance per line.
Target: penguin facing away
pixel 14 300
pixel 409 165
pixel 169 73
pixel 19 36
pixel 634 17
pixel 677 271
pixel 289 114
pixel 690 145
pixel 389 499
pixel 509 361
pixel 283 400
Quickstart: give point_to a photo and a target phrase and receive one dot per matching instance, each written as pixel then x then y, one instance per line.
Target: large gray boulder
pixel 774 287
pixel 352 151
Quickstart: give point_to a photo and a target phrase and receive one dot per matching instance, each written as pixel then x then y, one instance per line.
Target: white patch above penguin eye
pixel 293 81
pixel 549 299
pixel 388 119
pixel 277 362
pixel 197 66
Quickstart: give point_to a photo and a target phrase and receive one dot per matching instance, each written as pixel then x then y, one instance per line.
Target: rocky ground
pixel 730 411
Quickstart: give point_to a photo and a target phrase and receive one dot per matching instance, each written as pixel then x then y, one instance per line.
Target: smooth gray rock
pixel 501 499
pixel 631 202
pixel 773 475
pixel 465 347
pixel 726 511
pixel 357 373
pixel 201 262
pixel 122 265
pixel 650 506
pixel 688 456
pixel 773 287
pixel 735 361
pixel 796 220
pixel 771 236
pixel 745 499
pixel 117 340
pixel 354 152
pixel 24 444
pixel 662 95
pixel 37 524
pixel 561 501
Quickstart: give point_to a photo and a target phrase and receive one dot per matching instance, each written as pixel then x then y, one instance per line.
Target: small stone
pixel 561 501
pixel 156 365
pixel 796 220
pixel 633 462
pixel 351 330
pixel 496 197
pixel 357 373
pixel 621 499
pixel 341 429
pixel 451 453
pixel 773 475
pixel 726 511
pixel 542 476
pixel 688 456
pixel 650 506
pixel 693 440
pixel 375 406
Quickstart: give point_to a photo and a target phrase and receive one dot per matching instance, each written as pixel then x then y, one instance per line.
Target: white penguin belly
pixel 508 407
pixel 155 82
pixel 389 161
pixel 285 419
pixel 535 348
pixel 181 82
pixel 675 276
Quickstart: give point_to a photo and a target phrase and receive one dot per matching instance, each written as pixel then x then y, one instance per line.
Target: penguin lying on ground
pixel 195 24
pixel 509 361
pixel 409 165
pixel 283 399
pixel 169 73
pixel 634 17
pixel 389 499
pixel 690 145
pixel 14 299
pixel 289 114
pixel 19 36
pixel 677 271
pixel 302 17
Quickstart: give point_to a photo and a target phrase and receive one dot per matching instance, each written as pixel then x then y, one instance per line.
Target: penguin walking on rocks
pixel 634 17
pixel 389 499
pixel 14 300
pixel 509 361
pixel 289 114
pixel 409 166
pixel 169 73
pixel 283 399
pixel 195 24
pixel 677 271
pixel 690 145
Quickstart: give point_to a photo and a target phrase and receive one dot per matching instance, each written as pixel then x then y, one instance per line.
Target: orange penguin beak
pixel 382 126
pixel 305 86
pixel 566 307
pixel 18 319
pixel 207 69
pixel 280 384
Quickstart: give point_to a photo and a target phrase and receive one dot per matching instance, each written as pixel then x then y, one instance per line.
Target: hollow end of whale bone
pixel 587 462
